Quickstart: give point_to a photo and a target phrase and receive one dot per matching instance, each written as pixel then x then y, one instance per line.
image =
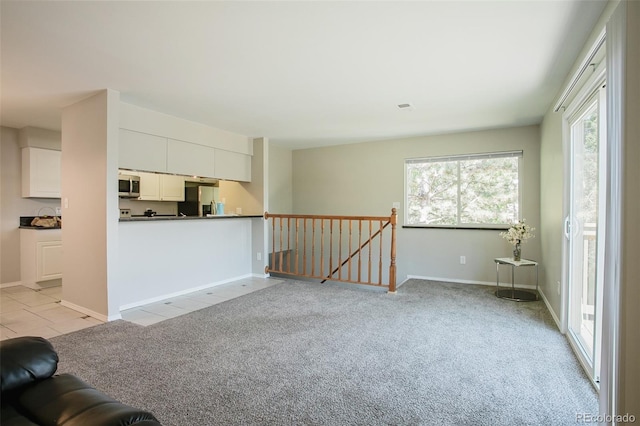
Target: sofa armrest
pixel 66 400
pixel 25 360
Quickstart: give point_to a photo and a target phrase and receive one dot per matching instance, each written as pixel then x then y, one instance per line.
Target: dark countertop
pixel 39 228
pixel 25 223
pixel 158 218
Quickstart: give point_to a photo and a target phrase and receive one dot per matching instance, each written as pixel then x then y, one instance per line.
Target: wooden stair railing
pixel 290 246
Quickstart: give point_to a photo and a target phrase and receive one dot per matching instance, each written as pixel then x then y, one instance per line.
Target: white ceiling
pixel 303 73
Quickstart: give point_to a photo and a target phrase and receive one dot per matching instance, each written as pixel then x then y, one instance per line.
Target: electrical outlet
pixel 258 256
pixel 558 287
pixel 463 260
pixel 58 211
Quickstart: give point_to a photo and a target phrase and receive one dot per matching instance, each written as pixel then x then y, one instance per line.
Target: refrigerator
pixel 198 200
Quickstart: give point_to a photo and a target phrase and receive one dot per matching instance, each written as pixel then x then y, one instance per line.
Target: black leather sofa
pixel 33 395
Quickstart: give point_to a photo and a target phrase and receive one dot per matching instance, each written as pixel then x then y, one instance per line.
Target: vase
pixel 516 252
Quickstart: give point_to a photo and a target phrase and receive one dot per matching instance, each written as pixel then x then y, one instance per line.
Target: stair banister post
pixel 392 268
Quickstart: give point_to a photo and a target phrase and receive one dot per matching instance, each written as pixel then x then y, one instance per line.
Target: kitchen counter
pixel 39 228
pixel 183 218
pixel 166 256
pixel 25 223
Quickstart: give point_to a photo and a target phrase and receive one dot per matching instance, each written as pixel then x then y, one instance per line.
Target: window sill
pixel 469 228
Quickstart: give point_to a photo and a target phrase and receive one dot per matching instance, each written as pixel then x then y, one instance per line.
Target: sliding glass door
pixel 584 228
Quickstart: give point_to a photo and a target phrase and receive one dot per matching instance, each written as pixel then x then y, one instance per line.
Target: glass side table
pixel 513 293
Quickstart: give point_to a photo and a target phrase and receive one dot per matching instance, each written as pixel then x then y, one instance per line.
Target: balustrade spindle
pixel 290 225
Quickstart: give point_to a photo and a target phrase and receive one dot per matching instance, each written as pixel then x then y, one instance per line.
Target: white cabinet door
pixel 171 188
pixel 186 158
pixel 141 151
pixel 41 172
pixel 149 186
pixel 48 260
pixel 40 256
pixel 159 187
pixel 233 166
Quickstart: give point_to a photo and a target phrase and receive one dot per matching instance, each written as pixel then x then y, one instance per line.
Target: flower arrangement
pixel 518 232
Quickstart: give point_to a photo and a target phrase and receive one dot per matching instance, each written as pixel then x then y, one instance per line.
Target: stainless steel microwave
pixel 128 186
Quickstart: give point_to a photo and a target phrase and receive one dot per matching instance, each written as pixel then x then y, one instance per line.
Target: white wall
pixel 39 138
pixel 551 204
pixel 629 387
pixel 365 179
pixel 12 205
pixel 90 203
pixel 160 259
pixel 280 180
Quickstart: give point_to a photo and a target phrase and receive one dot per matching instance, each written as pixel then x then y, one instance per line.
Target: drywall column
pixel 258 189
pixel 629 369
pixel 90 204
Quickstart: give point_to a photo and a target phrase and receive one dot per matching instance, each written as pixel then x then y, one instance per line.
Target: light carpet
pixel 322 354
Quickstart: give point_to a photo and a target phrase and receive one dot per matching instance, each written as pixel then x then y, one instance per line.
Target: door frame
pixel 591 85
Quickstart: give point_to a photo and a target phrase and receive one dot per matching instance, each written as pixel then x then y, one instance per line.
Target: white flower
pixel 518 232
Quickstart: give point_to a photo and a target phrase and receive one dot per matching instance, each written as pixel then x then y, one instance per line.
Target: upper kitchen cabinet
pixel 41 172
pixel 172 188
pixel 159 187
pixel 191 148
pixel 232 166
pixel 142 151
pixel 190 159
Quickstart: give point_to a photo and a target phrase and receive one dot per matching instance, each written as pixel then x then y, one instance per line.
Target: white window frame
pixel 462 157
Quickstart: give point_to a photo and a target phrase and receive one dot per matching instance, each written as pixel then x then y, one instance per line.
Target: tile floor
pixel 27 312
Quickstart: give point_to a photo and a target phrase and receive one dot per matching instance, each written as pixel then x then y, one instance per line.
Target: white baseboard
pixel 181 292
pixel 89 312
pixel 12 284
pixel 553 314
pixel 34 286
pixel 473 282
pixel 43 284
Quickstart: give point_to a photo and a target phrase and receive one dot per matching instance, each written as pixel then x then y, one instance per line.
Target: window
pixel 466 191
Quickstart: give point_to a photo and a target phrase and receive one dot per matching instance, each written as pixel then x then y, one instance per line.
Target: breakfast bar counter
pixel 183 218
pixel 167 256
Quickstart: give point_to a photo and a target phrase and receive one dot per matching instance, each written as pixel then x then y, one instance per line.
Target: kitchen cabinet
pixel 41 172
pixel 232 166
pixel 171 188
pixel 187 158
pixel 153 153
pixel 159 187
pixel 40 256
pixel 142 151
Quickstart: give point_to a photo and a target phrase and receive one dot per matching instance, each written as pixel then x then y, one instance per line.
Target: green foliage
pixel 463 192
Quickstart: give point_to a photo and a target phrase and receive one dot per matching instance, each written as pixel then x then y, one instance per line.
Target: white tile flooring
pixel 27 312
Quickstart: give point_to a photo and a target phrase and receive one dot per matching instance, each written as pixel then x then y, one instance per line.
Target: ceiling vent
pixel 405 107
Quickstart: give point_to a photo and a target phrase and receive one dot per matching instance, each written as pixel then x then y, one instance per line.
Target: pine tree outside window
pixel 466 191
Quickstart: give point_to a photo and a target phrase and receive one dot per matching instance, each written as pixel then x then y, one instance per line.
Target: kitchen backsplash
pixel 138 207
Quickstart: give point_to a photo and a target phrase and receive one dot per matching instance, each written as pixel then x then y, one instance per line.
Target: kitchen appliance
pixel 128 186
pixel 198 200
pixel 125 213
